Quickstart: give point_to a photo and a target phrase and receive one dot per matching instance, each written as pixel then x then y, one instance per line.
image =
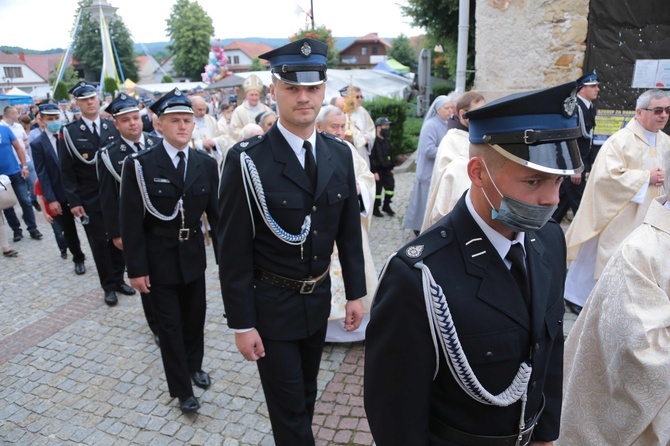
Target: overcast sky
pixel 46 24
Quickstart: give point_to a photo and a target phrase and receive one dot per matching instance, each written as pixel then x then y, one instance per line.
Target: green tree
pixel 322 34
pixel 440 20
pixel 190 29
pixel 61 92
pixel 256 64
pixel 88 44
pixel 402 51
pixel 167 79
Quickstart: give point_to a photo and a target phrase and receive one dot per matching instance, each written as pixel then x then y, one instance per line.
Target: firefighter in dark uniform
pixel 125 111
pixel 572 188
pixel 465 340
pixel 164 192
pixel 381 165
pixel 83 139
pixel 285 198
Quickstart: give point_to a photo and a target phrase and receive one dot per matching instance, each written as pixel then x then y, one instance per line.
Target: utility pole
pixel 311 12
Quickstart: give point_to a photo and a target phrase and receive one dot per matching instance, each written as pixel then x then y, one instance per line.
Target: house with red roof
pixel 15 72
pixel 240 54
pixel 364 53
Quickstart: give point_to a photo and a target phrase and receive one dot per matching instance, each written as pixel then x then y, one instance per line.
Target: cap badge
pixel 244 144
pixel 570 104
pixel 306 50
pixel 123 97
pixel 177 93
pixel 414 251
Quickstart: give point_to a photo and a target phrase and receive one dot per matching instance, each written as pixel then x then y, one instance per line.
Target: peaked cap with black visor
pixel 537 129
pixel 302 62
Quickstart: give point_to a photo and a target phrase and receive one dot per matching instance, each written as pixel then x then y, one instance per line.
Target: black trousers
pixel 570 196
pixel 288 373
pixel 149 312
pixel 179 311
pixel 386 182
pixel 66 220
pixel 108 259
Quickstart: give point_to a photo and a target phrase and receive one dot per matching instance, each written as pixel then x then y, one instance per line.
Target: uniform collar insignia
pixel 82 127
pixel 306 50
pixel 244 144
pixel 104 125
pixel 123 147
pixel 150 141
pixel 414 251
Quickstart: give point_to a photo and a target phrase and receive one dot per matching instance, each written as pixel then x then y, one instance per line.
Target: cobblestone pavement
pixel 74 371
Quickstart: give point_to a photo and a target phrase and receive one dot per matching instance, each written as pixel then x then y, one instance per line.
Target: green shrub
pixel 411 134
pixel 396 111
pixel 167 79
pixel 61 92
pixel 110 86
pixel 441 88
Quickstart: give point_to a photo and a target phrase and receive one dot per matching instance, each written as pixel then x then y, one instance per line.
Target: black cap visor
pixel 557 158
pixel 300 77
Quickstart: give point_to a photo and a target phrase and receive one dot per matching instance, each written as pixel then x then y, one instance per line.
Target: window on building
pixel 375 50
pixel 364 51
pixel 236 60
pixel 13 72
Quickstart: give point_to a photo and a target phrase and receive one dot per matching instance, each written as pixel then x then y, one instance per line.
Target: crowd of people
pixel 464 339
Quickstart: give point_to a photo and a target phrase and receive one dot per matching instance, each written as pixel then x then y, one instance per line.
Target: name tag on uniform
pixel 161 180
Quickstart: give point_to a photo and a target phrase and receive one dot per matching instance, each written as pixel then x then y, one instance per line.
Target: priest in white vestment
pixel 246 112
pixel 616 387
pixel 626 176
pixel 207 135
pixel 332 120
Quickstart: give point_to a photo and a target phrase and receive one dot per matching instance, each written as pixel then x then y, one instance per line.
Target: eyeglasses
pixel 658 110
pixel 361 97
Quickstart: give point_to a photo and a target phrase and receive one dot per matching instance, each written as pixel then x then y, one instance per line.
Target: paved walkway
pixel 74 371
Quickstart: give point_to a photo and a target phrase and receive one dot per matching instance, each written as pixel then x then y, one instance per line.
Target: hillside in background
pixel 158 49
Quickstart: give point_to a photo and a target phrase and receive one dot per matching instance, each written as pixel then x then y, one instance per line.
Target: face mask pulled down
pixel 517 215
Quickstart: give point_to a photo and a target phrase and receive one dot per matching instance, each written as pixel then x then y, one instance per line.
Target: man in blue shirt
pixel 17 173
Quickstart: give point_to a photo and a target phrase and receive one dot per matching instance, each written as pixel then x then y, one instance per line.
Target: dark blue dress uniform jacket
pixel 494 326
pixel 80 180
pixel 109 186
pixel 164 258
pixel 279 313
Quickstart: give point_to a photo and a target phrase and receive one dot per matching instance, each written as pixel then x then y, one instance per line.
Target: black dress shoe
pixel 574 308
pixel 18 236
pixel 63 254
pixel 201 379
pixel 126 289
pixel 157 341
pixel 377 213
pixel 79 268
pixel 37 235
pixel 110 298
pixel 189 404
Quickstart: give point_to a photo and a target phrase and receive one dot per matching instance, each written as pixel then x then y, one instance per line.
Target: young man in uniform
pixel 126 113
pixel 285 198
pixel 83 139
pixel 465 341
pixel 164 192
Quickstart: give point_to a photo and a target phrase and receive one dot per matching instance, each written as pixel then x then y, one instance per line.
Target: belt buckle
pixel 184 234
pixel 307 286
pixel 529 136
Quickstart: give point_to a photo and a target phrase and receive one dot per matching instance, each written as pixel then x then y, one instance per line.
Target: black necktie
pixel 96 136
pixel 139 147
pixel 518 270
pixel 181 165
pixel 310 163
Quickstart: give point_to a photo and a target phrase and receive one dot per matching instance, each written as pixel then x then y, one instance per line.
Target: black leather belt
pixel 449 434
pixel 533 136
pixel 305 286
pixel 180 234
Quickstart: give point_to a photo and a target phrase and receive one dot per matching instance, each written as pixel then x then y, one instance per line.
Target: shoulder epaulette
pixel 142 152
pixel 249 143
pixel 425 244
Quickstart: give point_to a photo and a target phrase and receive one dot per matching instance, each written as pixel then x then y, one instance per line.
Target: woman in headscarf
pixel 432 131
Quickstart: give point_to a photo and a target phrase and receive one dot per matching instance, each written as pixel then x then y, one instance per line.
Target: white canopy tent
pixel 164 88
pixel 373 83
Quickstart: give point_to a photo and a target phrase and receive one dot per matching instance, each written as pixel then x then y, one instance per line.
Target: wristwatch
pixel 24 167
